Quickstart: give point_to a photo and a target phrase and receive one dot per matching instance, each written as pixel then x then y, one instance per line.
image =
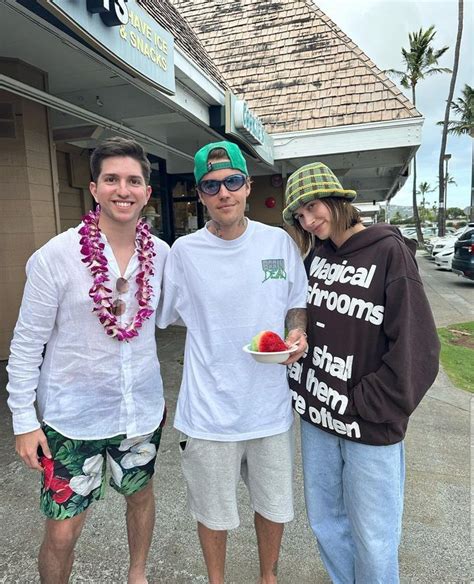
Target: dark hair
pixel 118 146
pixel 343 215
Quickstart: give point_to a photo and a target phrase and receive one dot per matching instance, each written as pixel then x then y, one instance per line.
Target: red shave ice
pixel 268 342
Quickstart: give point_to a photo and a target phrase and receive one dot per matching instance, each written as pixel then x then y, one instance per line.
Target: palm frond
pixel 436 70
pixel 464 108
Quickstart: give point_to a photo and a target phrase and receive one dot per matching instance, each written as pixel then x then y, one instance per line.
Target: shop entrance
pixel 173 209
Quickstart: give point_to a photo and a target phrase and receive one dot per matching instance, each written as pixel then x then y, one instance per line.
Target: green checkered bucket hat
pixel 312 181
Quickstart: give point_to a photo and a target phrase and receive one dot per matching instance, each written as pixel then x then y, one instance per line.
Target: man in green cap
pixel 227 282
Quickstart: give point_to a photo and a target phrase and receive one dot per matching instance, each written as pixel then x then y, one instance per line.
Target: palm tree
pixel 444 136
pixel 423 189
pixel 463 107
pixel 420 61
pixel 448 180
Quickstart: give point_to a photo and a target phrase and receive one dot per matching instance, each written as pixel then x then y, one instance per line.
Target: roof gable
pixel 184 36
pixel 297 70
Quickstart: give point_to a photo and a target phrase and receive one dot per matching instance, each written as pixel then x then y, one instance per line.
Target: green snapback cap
pixel 234 154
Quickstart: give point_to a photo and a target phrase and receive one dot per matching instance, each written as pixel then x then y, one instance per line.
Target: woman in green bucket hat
pixel 372 355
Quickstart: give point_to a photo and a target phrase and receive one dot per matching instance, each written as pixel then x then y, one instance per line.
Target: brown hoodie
pixel 373 347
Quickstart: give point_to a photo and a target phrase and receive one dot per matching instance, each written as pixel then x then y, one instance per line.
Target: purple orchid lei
pixel 93 251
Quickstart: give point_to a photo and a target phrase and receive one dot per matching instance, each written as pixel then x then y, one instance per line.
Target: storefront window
pixel 174 209
pixel 153 216
pixel 154 212
pixel 186 220
pixel 188 212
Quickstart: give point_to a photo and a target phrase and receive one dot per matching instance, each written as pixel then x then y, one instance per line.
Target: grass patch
pixel 457 353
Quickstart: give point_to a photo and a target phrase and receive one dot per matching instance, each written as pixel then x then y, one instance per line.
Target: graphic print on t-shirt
pixel 273 270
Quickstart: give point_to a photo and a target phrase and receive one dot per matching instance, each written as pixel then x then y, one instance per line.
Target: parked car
pixel 463 259
pixel 444 259
pixel 430 243
pixel 429 233
pixel 443 244
pixel 409 232
pixel 439 244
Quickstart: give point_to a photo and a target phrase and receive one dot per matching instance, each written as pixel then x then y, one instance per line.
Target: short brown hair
pixel 118 146
pixel 343 216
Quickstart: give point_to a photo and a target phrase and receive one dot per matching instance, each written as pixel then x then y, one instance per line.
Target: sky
pixel 380 28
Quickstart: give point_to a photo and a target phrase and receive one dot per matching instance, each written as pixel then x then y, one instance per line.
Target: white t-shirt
pixel 226 292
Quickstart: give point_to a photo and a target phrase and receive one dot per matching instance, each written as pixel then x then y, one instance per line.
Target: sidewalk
pixel 435 546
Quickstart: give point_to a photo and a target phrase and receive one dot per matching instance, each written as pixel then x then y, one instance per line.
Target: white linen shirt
pixel 89 385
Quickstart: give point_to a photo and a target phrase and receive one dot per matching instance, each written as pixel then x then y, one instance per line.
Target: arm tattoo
pixel 296 319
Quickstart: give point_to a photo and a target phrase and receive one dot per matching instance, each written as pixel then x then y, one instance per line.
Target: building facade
pixel 280 79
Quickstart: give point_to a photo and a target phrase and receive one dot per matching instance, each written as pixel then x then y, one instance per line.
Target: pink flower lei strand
pixel 92 249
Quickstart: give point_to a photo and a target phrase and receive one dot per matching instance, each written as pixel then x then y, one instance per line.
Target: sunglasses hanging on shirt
pixel 119 306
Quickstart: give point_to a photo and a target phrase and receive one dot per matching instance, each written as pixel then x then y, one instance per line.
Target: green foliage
pixel 424 188
pixel 458 361
pixel 448 180
pixel 132 483
pixel 424 212
pixel 463 107
pixel 77 504
pixel 52 509
pixel 54 439
pixel 421 59
pixel 397 219
pixel 454 213
pixel 71 456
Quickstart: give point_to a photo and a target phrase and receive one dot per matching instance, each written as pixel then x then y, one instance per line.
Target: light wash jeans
pixel 354 501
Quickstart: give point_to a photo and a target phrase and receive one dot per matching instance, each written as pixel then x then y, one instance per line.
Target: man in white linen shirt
pixel 90 298
pixel 227 282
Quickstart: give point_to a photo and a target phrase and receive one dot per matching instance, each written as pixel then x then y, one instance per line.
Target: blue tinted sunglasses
pixel 232 183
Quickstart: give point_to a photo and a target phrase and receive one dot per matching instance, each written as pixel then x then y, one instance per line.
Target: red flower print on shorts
pixel 57 485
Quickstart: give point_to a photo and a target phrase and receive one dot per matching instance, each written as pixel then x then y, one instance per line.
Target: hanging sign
pixel 242 123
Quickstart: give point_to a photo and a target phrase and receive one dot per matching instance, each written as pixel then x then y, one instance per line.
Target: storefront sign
pixel 112 12
pixel 247 123
pixel 243 124
pixel 124 33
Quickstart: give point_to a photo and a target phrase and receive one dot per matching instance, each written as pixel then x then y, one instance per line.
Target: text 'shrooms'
pixel 329 273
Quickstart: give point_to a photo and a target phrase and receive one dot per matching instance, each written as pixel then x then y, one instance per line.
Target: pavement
pixel 436 537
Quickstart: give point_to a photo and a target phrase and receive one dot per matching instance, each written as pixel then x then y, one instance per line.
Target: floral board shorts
pixel 75 476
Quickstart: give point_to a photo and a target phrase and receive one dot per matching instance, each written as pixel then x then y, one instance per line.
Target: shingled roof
pixel 184 36
pixel 296 69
